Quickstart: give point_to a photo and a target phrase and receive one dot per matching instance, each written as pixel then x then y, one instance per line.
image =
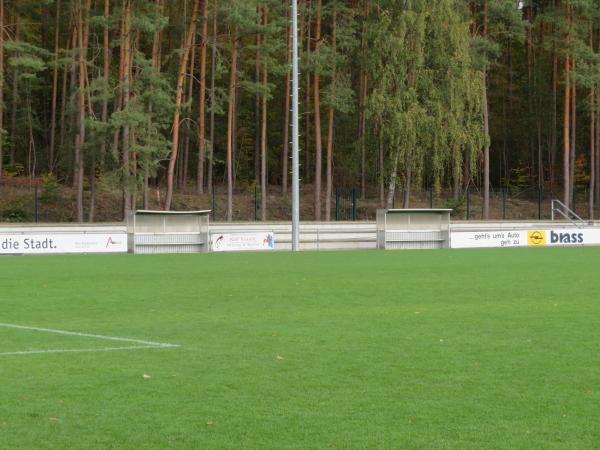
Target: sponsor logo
pixel 536 238
pixel 566 238
pixel 219 241
pixel 268 240
pixel 110 241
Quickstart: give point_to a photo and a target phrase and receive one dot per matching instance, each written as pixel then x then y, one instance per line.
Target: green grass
pixel 355 350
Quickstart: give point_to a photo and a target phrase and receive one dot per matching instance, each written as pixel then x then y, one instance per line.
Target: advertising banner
pixel 46 243
pixel 236 242
pixel 483 239
pixel 525 238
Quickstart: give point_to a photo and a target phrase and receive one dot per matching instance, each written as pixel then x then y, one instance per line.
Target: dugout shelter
pixel 168 231
pixel 399 229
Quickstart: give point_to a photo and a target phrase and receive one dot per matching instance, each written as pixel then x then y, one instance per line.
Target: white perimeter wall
pixel 60 239
pixel 313 236
pixel 362 235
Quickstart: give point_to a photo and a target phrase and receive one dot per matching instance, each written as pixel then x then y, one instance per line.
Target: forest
pixel 154 98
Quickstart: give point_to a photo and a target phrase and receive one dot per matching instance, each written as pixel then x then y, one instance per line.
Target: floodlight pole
pixel 295 133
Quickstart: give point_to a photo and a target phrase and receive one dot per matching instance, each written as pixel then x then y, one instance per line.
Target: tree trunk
pixel 185 160
pixel 329 182
pixel 156 40
pixel 381 168
pixel 234 136
pixel 407 185
pixel 592 136
pixel 456 169
pixel 104 111
pixel 573 149
pixel 63 108
pixel 52 146
pixel 80 138
pixel 486 129
pixel 126 61
pixel 230 122
pixel 31 154
pixel 503 172
pixel 286 112
pixel 538 118
pixel 146 192
pixel 118 104
pixel 554 128
pixel 566 133
pixel 530 88
pixel 92 175
pixel 597 147
pixel 106 75
pixel 597 139
pixel 486 151
pixel 209 180
pixel 361 113
pixel 362 126
pixel 592 151
pixel 263 134
pixel 1 83
pixel 392 186
pixel 72 116
pixel 202 101
pixel 330 120
pixel 178 98
pixel 15 101
pixel 466 180
pixel 307 113
pixel 317 107
pixel 186 147
pixel 363 140
pixel 257 103
pixel 156 64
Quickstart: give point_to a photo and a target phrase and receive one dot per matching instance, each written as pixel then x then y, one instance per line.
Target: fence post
pixel 255 205
pixel 36 208
pixel 337 204
pixel 468 203
pixel 539 203
pixel 504 203
pixel 354 204
pixel 213 204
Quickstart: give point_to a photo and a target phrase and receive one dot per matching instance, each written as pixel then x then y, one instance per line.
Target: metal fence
pixel 517 204
pixel 56 204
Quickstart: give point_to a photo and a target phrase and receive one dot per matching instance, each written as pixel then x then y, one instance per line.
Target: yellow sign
pixel 536 238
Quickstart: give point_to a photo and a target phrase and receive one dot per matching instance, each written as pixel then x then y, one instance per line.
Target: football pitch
pixel 350 350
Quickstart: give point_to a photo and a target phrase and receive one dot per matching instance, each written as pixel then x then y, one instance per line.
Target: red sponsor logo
pixel 110 241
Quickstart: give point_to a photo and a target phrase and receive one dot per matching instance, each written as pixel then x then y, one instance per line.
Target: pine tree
pixel 338 95
pixel 495 21
pixel 1 87
pixel 178 99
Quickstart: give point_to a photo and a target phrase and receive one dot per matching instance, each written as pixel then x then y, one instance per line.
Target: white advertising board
pixel 525 238
pixel 483 239
pixel 236 242
pixel 41 243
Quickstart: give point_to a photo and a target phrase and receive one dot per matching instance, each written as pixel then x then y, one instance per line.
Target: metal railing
pixel 567 213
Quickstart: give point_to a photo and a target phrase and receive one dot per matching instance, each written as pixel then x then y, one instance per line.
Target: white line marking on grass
pixel 83 350
pixel 143 344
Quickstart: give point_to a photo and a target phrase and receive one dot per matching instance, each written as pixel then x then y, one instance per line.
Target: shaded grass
pixel 429 349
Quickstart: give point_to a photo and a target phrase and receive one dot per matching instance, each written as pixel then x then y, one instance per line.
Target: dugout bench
pixel 400 229
pixel 168 231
